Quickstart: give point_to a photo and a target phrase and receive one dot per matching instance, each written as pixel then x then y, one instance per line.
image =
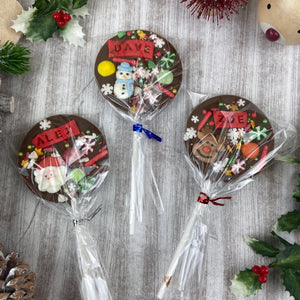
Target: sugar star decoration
pixel 46 17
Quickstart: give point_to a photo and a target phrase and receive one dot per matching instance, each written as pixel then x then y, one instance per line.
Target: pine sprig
pixel 14 59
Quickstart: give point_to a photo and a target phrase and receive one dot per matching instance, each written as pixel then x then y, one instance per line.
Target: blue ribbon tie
pixel 139 128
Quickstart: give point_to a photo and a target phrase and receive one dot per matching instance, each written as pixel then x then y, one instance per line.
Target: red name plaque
pixel 131 48
pixel 230 119
pixel 56 135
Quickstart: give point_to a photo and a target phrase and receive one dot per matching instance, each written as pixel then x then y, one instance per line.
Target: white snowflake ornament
pixel 106 89
pixel 45 124
pixel 195 119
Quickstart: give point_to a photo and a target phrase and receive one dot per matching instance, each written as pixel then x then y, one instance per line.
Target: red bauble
pixel 215 9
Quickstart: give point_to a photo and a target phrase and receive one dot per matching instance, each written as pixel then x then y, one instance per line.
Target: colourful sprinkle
pixel 174 91
pixel 20 153
pixel 221 104
pixel 265 121
pixel 67 145
pixel 29 147
pixel 88 132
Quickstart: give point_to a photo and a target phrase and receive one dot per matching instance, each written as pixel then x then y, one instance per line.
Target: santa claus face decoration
pixel 226 136
pixel 63 157
pixel 139 72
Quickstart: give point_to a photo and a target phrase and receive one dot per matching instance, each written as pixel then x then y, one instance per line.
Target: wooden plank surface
pixel 233 58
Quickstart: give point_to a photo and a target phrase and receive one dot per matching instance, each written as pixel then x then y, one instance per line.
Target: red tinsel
pixel 215 9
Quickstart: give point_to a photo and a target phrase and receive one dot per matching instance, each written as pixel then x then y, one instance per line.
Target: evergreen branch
pixel 14 59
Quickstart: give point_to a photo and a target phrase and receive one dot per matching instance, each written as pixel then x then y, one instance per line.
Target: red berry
pixel 264 270
pixel 61 23
pixel 256 269
pixel 67 17
pixel 56 16
pixel 262 278
pixel 61 13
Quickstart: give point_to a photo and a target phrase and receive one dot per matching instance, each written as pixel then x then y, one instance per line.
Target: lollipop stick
pixel 133 194
pixel 179 250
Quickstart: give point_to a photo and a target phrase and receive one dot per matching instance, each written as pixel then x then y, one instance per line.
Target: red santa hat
pixel 50 161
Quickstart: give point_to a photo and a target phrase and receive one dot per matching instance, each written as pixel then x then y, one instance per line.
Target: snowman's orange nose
pixel 272 35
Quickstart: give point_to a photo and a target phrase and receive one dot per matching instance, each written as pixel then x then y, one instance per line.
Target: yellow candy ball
pixel 106 68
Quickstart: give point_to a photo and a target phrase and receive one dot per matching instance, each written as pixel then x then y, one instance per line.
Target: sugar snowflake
pixel 195 119
pixel 233 135
pixel 45 124
pixel 159 42
pixel 155 71
pixel 106 89
pixel 241 102
pixel 241 132
pixel 190 133
pixel 238 166
pixel 220 165
pixel 153 36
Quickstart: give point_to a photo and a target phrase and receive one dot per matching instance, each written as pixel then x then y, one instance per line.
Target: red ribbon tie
pixel 203 198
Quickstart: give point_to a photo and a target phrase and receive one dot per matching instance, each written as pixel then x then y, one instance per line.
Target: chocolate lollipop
pixel 226 136
pixel 63 160
pixel 61 157
pixel 138 72
pixel 228 140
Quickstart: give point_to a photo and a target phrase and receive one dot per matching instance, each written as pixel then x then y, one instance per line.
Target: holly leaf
pixel 41 28
pixel 73 34
pixel 296 194
pixel 245 284
pixel 288 222
pixel 22 22
pixel 45 7
pixel 80 12
pixel 261 247
pixel 291 280
pixel 289 258
pixel 79 3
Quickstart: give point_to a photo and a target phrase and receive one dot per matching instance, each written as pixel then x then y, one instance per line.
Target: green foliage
pixel 245 284
pixel 41 28
pixel 287 260
pixel 14 59
pixel 296 194
pixel 288 222
pixel 261 247
pixel 291 280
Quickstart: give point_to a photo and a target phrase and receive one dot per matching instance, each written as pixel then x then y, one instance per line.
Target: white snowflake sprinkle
pixel 153 36
pixel 220 165
pixel 238 166
pixel 71 187
pixel 159 42
pixel 155 71
pixel 195 119
pixel 190 133
pixel 227 106
pixel 45 124
pixel 233 135
pixel 241 132
pixel 106 89
pixel 241 102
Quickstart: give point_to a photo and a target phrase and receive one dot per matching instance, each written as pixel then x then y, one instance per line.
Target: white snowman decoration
pixel 123 87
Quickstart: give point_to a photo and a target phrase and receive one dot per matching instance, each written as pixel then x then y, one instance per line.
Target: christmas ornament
pixel 217 131
pixel 215 9
pixel 279 20
pixel 9 10
pixel 287 257
pixel 63 160
pixel 46 17
pixel 139 73
pixel 16 279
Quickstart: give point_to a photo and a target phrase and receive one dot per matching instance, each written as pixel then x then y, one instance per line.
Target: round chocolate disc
pixel 63 157
pixel 139 72
pixel 226 136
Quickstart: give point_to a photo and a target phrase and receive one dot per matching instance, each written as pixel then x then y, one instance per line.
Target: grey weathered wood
pixel 232 58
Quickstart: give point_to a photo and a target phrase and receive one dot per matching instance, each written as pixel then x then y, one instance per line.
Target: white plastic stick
pixel 178 252
pixel 133 194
